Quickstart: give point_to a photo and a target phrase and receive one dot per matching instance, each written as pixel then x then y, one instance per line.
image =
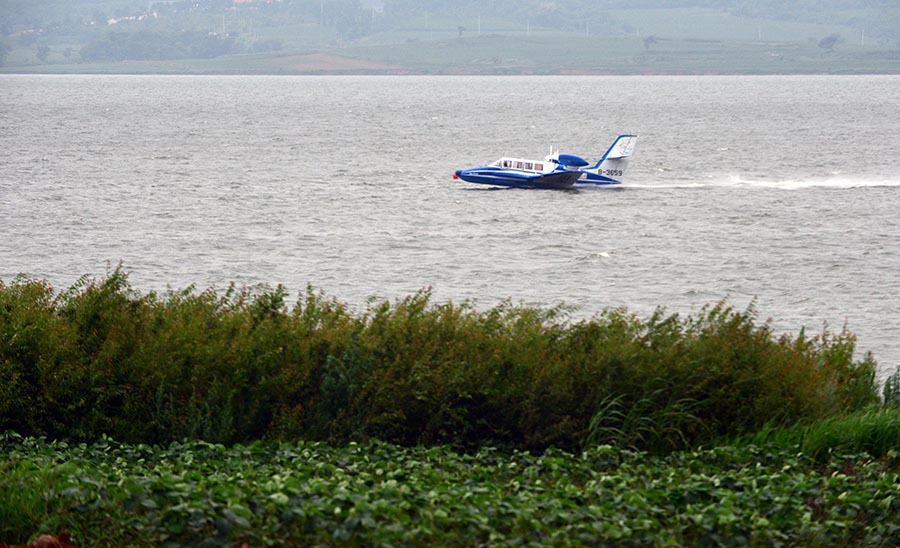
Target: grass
pixel 539 53
pixel 874 431
pixel 549 53
pixel 721 26
pixel 536 53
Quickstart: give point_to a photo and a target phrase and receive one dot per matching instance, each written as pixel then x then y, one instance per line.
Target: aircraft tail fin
pixel 611 166
pixel 616 157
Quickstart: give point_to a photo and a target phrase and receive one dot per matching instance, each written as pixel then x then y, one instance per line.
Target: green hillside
pixel 394 36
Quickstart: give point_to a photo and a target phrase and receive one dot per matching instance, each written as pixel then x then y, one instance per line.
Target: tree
pixel 27 38
pixel 270 44
pixel 830 41
pixel 42 52
pixel 648 41
pixel 4 51
pixel 145 44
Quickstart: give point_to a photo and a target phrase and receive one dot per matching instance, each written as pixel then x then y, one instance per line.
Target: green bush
pixel 101 359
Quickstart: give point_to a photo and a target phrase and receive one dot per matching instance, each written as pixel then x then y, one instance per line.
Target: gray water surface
pixel 778 191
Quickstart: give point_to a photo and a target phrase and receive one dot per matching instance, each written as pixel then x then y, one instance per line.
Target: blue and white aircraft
pixel 556 170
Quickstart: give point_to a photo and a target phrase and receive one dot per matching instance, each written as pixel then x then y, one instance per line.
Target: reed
pixel 102 359
pixel 874 431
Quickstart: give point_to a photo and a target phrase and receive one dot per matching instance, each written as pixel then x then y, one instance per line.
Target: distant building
pixel 116 21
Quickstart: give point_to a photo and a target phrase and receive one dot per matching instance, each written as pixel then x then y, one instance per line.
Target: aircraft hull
pixel 497 177
pixel 594 180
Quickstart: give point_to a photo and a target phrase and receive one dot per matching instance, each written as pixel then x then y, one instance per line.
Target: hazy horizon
pixel 436 36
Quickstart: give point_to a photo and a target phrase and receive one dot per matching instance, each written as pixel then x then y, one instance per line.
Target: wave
pixel 737 181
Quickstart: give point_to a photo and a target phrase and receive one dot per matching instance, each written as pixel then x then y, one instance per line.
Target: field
pixel 310 494
pixel 205 418
pixel 536 53
pixel 549 53
pixel 630 41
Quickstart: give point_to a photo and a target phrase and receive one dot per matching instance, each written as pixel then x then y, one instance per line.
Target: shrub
pixel 240 365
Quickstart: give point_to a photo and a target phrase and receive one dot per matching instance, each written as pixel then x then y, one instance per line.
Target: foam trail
pixel 785 184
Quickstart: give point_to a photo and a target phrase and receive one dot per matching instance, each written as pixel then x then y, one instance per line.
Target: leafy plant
pixel 303 493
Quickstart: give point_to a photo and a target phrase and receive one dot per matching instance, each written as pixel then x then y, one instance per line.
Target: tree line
pixel 119 46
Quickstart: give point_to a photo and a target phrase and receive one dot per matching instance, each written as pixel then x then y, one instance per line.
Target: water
pixel 777 191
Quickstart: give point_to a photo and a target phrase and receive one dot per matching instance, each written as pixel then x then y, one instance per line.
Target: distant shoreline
pixel 500 56
pixel 408 72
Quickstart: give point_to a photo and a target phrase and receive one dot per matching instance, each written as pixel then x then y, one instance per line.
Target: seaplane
pixel 559 171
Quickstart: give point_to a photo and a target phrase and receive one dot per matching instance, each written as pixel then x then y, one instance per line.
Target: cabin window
pixel 518 165
pixel 505 163
pixel 539 167
pixel 529 166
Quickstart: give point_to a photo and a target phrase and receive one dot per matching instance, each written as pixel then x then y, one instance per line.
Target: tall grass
pixel 102 359
pixel 874 431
